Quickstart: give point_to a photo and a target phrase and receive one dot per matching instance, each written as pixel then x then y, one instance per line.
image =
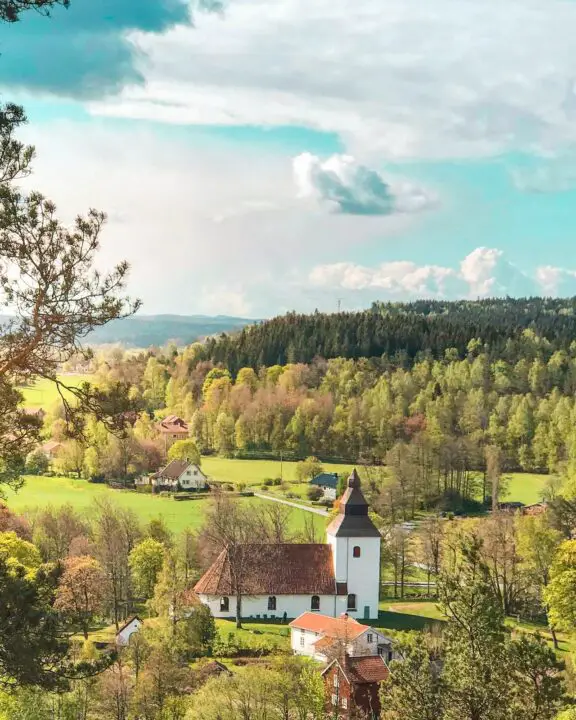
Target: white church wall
pixel 293 605
pixel 362 574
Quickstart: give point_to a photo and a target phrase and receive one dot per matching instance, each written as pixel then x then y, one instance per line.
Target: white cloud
pixel 354 189
pixel 419 79
pixel 555 281
pixel 483 273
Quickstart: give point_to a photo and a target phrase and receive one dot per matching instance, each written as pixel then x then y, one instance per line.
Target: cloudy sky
pixel 258 156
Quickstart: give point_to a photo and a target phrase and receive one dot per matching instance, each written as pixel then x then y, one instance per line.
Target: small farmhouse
pixel 177 475
pixel 51 449
pixel 172 428
pixel 127 630
pixel 352 687
pixel 285 580
pixel 328 483
pixel 323 637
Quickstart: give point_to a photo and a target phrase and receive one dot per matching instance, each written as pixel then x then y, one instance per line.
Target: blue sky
pixel 256 156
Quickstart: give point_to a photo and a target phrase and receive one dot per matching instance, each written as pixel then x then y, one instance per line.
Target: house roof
pixel 340 628
pixel 352 519
pixel 326 479
pixel 366 669
pixel 173 424
pixel 173 470
pixel 275 569
pixel 361 670
pixel 51 445
pixel 129 622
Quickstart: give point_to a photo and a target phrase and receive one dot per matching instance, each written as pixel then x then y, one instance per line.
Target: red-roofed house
pixel 172 428
pixel 352 687
pixel 323 637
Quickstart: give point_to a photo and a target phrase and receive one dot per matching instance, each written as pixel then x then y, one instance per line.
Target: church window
pixel 272 603
pixel 351 601
pixel 224 604
pixel 356 551
pixel 315 603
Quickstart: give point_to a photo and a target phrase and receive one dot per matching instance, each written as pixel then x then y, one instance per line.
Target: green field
pixel 43 491
pixel 254 472
pixel 525 487
pixel 44 393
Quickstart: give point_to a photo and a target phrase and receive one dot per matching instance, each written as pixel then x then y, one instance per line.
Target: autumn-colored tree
pixel 81 591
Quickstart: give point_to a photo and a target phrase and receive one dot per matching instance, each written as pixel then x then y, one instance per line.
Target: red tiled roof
pixel 366 669
pixel 342 627
pixel 279 569
pixel 324 643
pixel 173 424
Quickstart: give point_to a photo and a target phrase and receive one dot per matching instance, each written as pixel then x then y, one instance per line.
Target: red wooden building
pixel 352 687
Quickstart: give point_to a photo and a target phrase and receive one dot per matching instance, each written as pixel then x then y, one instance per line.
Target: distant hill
pixel 402 332
pixel 142 331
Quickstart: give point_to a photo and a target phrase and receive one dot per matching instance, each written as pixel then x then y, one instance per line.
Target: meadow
pixel 44 393
pixel 522 487
pixel 56 491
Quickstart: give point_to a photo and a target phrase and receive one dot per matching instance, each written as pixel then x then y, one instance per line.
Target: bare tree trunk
pixel 239 610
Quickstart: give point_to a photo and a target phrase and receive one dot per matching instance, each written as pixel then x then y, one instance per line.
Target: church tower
pixel 355 543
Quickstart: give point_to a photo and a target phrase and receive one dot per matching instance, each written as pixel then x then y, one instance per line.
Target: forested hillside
pixel 401 331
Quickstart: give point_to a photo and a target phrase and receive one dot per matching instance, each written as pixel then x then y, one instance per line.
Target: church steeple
pixel 352 519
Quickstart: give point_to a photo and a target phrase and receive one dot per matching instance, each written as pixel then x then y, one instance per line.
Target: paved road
pixel 317 511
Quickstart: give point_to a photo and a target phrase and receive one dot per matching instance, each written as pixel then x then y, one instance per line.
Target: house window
pixel 390 656
pixel 351 601
pixel 344 703
pixel 369 638
pixel 336 681
pixel 224 604
pixel 302 641
pixel 315 603
pixel 272 603
pixel 334 699
pixel 356 551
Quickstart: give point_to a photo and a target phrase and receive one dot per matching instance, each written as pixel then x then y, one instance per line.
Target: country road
pixel 317 511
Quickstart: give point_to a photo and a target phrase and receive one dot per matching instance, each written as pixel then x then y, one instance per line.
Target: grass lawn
pixel 254 472
pixel 43 491
pixel 44 393
pixel 525 487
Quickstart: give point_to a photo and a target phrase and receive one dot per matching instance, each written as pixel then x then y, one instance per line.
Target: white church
pixel 286 580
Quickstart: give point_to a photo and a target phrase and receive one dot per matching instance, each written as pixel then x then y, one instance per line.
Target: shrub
pixel 277 481
pixel 227 487
pixel 268 482
pixel 314 492
pixel 241 487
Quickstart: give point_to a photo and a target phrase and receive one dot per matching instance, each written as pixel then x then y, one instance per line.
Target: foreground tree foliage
pixel 10 10
pixel 478 671
pixel 49 283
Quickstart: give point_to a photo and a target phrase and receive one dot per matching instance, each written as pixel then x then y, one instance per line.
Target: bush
pixel 277 481
pixel 268 482
pixel 264 488
pixel 292 495
pixel 325 502
pixel 314 492
pixel 241 486
pixel 227 487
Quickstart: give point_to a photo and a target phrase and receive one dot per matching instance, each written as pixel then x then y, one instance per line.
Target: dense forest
pixel 399 331
pixel 438 422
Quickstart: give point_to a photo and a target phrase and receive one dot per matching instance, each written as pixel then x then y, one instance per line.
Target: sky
pixel 261 156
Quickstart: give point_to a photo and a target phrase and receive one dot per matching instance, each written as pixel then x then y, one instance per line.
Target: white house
pixel 177 475
pixel 127 630
pixel 322 637
pixel 286 580
pixel 328 483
